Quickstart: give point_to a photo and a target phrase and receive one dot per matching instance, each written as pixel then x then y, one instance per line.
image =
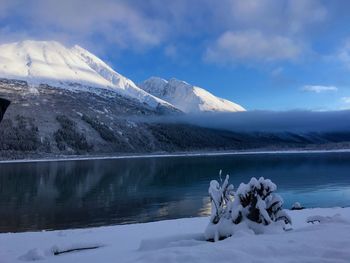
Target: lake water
pixel 71 194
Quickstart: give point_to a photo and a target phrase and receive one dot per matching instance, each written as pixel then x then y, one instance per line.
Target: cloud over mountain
pixel 240 46
pixel 144 24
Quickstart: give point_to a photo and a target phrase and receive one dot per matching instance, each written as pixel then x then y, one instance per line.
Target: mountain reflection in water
pixel 71 194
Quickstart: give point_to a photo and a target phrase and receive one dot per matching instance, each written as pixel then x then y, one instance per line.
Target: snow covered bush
pixel 221 200
pixel 253 205
pixel 297 206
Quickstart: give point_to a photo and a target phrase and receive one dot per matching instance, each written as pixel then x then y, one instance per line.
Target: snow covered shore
pixel 182 240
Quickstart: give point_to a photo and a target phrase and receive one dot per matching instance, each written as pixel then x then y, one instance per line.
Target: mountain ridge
pixel 50 62
pixel 187 97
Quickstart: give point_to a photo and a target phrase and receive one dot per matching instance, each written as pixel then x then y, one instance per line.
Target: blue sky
pixel 262 54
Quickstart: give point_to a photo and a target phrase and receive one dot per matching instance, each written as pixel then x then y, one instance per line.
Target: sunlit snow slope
pixel 186 97
pixel 49 62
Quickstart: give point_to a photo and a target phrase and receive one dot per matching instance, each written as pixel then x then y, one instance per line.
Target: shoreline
pixel 167 155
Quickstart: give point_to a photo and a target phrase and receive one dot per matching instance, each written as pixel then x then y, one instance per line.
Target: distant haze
pixel 269 121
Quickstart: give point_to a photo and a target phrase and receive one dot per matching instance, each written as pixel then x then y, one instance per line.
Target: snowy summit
pixel 186 97
pixel 49 62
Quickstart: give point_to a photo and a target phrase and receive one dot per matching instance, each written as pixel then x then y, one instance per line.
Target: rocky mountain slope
pixel 186 97
pixel 46 121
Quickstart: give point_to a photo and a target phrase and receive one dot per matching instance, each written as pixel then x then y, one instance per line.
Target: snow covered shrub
pixel 221 200
pixel 257 202
pixel 252 205
pixel 297 206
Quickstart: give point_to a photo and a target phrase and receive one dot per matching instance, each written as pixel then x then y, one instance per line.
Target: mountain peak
pixel 50 62
pixel 156 83
pixel 176 81
pixel 186 97
pixel 158 79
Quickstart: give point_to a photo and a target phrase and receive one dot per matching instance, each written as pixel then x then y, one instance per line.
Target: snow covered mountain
pixel 49 62
pixel 186 97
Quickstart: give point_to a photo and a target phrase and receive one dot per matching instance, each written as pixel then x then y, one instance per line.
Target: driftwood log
pixel 57 252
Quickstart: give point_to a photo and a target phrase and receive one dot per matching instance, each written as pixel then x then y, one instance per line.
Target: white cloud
pixel 343 54
pixel 319 88
pixel 252 45
pixel 346 100
pixel 286 16
pixel 305 12
pixel 266 30
pixel 117 22
pixel 140 24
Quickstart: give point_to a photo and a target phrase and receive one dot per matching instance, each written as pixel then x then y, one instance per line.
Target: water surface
pixel 71 194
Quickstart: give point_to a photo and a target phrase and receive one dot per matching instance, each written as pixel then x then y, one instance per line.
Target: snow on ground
pixel 327 239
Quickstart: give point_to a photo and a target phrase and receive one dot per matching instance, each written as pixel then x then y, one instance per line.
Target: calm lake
pixel 71 194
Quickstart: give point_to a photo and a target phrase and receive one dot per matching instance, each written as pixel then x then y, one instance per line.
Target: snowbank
pixel 325 239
